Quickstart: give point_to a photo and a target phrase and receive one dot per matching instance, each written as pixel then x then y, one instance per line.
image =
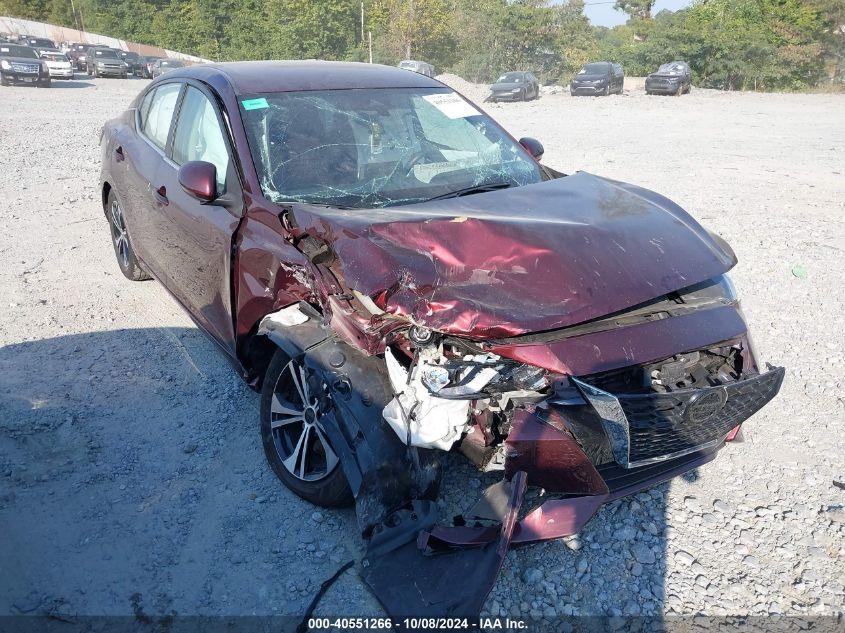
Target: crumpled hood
pixel 519 260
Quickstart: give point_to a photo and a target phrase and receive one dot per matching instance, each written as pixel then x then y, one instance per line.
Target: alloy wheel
pixel 299 402
pixel 119 234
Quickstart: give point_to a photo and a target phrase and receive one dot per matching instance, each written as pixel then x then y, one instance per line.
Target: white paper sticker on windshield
pixel 451 105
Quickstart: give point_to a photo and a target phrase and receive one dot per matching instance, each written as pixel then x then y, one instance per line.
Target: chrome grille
pixel 24 68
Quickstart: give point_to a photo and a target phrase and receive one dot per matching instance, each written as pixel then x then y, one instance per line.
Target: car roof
pixel 285 76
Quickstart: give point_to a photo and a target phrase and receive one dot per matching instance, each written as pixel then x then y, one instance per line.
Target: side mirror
pixel 534 147
pixel 199 179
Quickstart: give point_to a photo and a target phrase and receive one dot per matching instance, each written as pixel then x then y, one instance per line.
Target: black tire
pixel 280 398
pixel 126 260
pixel 606 92
pixel 3 81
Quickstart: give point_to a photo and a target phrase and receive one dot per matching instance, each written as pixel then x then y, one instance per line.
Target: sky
pixel 602 13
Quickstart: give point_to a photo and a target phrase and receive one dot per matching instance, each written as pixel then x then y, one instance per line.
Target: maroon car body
pixel 615 352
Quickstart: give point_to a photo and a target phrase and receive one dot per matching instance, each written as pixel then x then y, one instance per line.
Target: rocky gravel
pixel 132 478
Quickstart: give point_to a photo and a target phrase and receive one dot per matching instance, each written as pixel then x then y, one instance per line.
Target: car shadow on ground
pixel 70 83
pixel 134 479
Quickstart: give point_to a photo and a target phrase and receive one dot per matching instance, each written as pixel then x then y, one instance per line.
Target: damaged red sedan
pixel 400 277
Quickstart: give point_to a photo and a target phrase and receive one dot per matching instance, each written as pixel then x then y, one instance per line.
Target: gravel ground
pixel 131 473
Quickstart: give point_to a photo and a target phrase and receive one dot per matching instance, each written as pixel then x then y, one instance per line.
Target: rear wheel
pixel 295 402
pixel 129 264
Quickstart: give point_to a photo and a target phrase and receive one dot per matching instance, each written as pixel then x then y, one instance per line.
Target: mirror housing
pixel 533 146
pixel 199 179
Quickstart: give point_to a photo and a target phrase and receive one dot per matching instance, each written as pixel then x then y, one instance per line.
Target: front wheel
pixel 295 402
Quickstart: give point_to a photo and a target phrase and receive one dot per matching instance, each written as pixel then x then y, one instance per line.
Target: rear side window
pixel 144 108
pixel 156 123
pixel 198 135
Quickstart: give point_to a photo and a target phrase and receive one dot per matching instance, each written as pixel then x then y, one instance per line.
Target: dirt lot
pixel 131 473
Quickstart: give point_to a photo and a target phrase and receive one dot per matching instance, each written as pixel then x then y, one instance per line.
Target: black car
pixel 104 62
pixel 39 42
pixel 515 86
pixel 161 66
pixel 21 65
pixel 598 78
pixel 674 78
pixel 133 60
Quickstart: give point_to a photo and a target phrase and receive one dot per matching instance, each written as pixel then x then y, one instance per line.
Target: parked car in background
pixel 598 78
pixel 423 68
pixel 58 64
pixel 401 279
pixel 104 62
pixel 674 78
pixel 133 62
pixel 39 42
pixel 20 64
pixel 515 86
pixel 161 66
pixel 147 65
pixel 76 54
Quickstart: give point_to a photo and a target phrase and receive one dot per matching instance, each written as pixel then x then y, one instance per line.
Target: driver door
pixel 198 249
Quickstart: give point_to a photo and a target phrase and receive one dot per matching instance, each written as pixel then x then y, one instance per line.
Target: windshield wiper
pixel 471 190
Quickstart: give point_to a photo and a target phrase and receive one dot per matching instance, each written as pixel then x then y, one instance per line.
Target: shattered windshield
pixel 366 148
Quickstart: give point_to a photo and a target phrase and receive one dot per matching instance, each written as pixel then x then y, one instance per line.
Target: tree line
pixel 730 44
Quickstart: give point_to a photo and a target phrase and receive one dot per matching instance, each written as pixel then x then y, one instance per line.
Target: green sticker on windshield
pixel 254 104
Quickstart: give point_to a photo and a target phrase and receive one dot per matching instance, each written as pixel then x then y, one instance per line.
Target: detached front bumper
pixel 652 439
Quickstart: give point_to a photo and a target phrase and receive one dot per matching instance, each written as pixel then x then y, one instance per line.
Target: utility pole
pixel 370 44
pixel 362 21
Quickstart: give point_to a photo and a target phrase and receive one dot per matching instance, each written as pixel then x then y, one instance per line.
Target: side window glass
pixel 144 108
pixel 156 125
pixel 198 135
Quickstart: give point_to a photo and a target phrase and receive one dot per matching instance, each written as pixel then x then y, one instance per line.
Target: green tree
pixel 636 9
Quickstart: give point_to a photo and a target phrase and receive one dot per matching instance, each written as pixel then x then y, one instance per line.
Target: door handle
pixel 160 194
pixel 118 154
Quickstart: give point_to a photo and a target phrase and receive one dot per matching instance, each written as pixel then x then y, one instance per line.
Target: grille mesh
pixel 658 426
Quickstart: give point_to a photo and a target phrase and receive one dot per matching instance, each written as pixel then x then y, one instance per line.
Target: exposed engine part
pixel 474 376
pixel 703 368
pixel 418 417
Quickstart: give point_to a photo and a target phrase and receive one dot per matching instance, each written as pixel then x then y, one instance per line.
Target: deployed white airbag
pixel 434 422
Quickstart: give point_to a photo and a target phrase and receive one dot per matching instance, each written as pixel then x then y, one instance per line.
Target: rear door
pixel 196 237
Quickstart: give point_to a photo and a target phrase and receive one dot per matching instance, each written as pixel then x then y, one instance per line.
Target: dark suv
pixel 515 86
pixel 133 60
pixel 674 78
pixel 104 62
pixel 598 78
pixel 21 65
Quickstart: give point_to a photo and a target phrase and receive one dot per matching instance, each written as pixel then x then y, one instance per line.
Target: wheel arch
pixel 106 190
